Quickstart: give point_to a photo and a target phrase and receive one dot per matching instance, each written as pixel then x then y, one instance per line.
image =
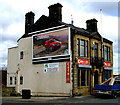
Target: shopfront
pixel 83 76
pixel 107 71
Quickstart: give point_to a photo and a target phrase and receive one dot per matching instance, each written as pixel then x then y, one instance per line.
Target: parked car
pixel 52 44
pixel 110 87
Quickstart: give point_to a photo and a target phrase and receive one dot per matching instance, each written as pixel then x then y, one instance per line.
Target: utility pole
pixel 72 20
pixel 101 21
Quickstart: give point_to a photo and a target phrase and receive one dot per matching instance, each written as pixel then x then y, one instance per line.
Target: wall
pixel 111 51
pixel 111 54
pixel 35 79
pixel 96 66
pixel 12 65
pixel 82 90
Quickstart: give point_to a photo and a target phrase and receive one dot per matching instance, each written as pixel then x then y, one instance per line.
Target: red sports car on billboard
pixel 52 44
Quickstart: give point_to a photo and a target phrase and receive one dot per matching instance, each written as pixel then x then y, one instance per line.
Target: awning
pixel 108 68
pixel 85 66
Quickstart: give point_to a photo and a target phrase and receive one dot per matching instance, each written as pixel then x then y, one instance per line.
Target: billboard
pixel 51 44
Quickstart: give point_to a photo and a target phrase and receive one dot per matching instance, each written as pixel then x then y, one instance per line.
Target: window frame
pixel 11 80
pixel 78 47
pixel 83 73
pixel 82 46
pixel 103 52
pixel 15 81
pixel 95 50
pixel 86 77
pixel 21 55
pixel 21 80
pixel 86 48
pixel 107 51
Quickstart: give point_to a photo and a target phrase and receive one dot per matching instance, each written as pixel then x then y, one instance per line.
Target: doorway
pixel 95 77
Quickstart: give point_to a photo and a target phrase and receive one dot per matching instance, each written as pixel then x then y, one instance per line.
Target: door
pixel 95 77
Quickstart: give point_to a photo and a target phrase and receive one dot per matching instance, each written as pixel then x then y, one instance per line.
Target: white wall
pixel 12 65
pixel 35 79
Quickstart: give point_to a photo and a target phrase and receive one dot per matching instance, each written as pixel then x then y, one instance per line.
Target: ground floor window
pixel 15 80
pixel 106 74
pixel 21 80
pixel 10 80
pixel 95 77
pixel 88 77
pixel 83 77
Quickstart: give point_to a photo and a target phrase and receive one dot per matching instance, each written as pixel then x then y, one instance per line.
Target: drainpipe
pixel 18 80
pixel 101 55
pixel 71 63
pixel 90 63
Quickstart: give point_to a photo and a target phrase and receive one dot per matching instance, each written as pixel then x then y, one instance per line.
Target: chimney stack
pixel 29 21
pixel 55 12
pixel 92 25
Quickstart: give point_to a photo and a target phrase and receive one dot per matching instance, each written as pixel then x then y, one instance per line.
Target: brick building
pixel 54 58
pixel 3 77
pixel 90 47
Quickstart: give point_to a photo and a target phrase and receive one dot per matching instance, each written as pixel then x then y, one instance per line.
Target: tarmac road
pixel 79 100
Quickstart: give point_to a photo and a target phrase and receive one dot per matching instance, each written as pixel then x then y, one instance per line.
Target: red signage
pixel 107 64
pixel 83 61
pixel 67 72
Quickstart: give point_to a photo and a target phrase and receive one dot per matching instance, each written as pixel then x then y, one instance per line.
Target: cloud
pixel 13 32
pixel 115 61
pixel 12 19
pixel 9 15
pixel 11 22
pixel 108 8
pixel 4 45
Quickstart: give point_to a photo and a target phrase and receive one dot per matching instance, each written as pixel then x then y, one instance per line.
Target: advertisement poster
pixel 51 67
pixel 67 72
pixel 51 43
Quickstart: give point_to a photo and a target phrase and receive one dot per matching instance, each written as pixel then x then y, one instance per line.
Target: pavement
pixel 89 99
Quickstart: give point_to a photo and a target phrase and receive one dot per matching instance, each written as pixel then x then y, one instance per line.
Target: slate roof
pixel 44 23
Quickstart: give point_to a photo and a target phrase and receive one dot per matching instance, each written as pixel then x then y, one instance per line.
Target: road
pixel 92 100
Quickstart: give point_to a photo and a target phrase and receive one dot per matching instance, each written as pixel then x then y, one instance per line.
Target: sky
pixel 12 20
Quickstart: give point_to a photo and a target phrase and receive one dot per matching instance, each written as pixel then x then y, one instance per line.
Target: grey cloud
pixel 4 50
pixel 108 8
pixel 3 58
pixel 9 16
pixel 115 44
pixel 6 37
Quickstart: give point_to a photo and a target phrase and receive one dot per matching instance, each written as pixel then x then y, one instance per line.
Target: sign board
pixel 107 64
pixel 51 67
pixel 51 44
pixel 67 72
pixel 82 61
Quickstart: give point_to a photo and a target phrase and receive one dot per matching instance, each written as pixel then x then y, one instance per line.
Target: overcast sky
pixel 12 20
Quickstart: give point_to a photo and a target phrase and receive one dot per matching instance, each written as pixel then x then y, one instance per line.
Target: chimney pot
pixel 29 21
pixel 55 12
pixel 92 25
